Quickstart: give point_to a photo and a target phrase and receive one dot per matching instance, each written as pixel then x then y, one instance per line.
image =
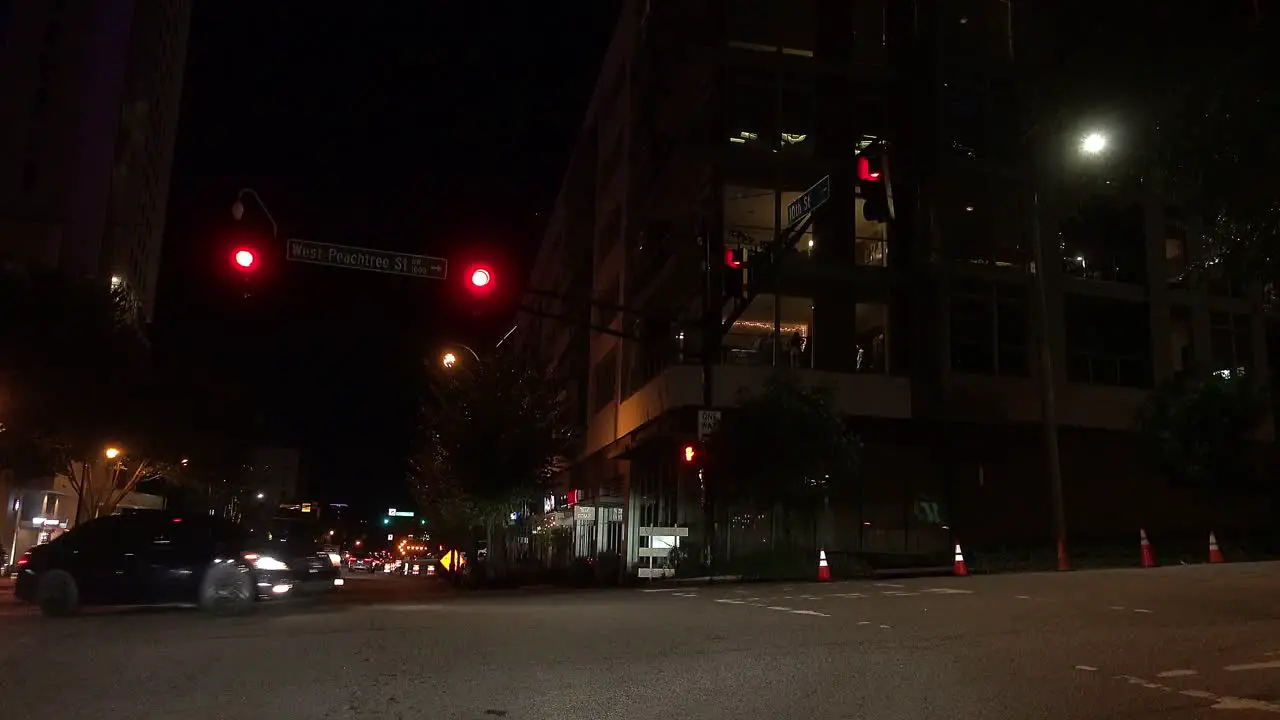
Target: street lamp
pixel 111 453
pixel 1092 145
pixel 237 209
pixel 449 359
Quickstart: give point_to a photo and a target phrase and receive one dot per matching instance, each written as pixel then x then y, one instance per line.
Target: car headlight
pixel 335 559
pixel 265 562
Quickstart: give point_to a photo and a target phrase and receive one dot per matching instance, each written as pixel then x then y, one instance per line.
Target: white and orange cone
pixel 824 570
pixel 960 569
pixel 1148 558
pixel 1215 552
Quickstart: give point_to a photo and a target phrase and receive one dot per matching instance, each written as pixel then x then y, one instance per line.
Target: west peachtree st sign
pixel 354 258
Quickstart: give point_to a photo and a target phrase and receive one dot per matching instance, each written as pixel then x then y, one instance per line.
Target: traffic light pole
pixel 711 336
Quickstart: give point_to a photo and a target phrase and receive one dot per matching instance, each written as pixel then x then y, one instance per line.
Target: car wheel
pixel 226 590
pixel 58 594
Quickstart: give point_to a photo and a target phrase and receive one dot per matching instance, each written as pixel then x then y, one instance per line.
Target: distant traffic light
pixel 244 259
pixel 873 185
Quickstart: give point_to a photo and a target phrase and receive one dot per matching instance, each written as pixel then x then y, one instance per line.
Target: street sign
pixel 708 421
pixel 392 512
pixel 811 200
pixel 354 258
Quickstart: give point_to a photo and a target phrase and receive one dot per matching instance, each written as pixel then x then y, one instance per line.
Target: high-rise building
pixel 89 98
pixel 708 120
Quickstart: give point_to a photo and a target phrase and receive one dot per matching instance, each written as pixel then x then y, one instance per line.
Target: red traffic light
pixel 480 277
pixel 733 258
pixel 868 170
pixel 690 453
pixel 244 259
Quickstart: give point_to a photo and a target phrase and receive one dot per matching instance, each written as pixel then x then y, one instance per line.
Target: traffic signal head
pixel 690 453
pixel 870 168
pixel 480 278
pixel 733 257
pixel 244 259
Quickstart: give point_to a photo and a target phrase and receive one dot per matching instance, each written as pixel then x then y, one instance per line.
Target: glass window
pixel 749 25
pixel 1175 254
pixel 750 340
pixel 871 327
pixel 1181 347
pixel 1108 341
pixel 1105 241
pixel 972 335
pixel 869 32
pixel 797 117
pixel 871 239
pixel 1013 330
pixel 604 380
pixel 750 103
pixel 1230 343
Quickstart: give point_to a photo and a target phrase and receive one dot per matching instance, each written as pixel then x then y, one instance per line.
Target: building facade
pixel 89 98
pixel 710 118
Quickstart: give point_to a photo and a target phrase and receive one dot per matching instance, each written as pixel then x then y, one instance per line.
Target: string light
pixel 788 329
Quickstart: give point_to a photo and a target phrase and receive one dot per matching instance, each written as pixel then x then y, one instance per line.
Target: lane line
pixel 1268 665
pixel 889 585
pixel 1090 668
pixel 809 612
pixel 1176 673
pixel 1142 610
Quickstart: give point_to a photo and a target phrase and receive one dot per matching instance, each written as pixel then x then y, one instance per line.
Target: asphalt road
pixel 1182 642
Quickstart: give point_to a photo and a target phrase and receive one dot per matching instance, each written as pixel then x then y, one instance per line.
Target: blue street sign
pixel 811 200
pixel 354 258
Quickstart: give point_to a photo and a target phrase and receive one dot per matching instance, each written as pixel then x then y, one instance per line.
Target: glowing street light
pixel 1093 143
pixel 449 360
pixel 112 453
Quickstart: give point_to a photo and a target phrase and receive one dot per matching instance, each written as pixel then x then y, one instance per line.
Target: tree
pixel 491 441
pixel 1197 429
pixel 785 448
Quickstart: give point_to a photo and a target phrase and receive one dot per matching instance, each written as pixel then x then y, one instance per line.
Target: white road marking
pixel 1220 702
pixel 884 627
pixel 1116 607
pixel 731 602
pixel 1142 610
pixel 864 622
pixel 848 595
pixel 897 593
pixel 889 585
pixel 1198 694
pixel 658 589
pixel 1090 668
pixel 685 594
pixel 1023 597
pixel 1176 673
pixel 1269 665
pixel 777 607
pixel 949 591
pixel 809 612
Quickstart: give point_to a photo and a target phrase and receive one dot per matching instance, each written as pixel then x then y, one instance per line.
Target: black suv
pixel 156 558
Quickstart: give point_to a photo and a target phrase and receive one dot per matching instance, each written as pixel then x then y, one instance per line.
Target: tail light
pixel 26 558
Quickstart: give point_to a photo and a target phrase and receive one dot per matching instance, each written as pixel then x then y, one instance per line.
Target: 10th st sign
pixel 354 258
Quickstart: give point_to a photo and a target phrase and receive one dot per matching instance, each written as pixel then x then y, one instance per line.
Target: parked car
pixel 155 558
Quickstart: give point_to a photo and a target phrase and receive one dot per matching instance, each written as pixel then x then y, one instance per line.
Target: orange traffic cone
pixel 824 570
pixel 1215 552
pixel 960 569
pixel 1148 558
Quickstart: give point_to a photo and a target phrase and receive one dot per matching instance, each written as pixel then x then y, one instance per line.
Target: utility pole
pixel 1048 393
pixel 711 335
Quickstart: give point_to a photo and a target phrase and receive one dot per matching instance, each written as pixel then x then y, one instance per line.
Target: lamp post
pixel 237 209
pixel 1092 144
pixel 450 359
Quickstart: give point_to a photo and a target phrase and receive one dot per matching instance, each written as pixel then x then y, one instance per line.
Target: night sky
pixel 434 128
